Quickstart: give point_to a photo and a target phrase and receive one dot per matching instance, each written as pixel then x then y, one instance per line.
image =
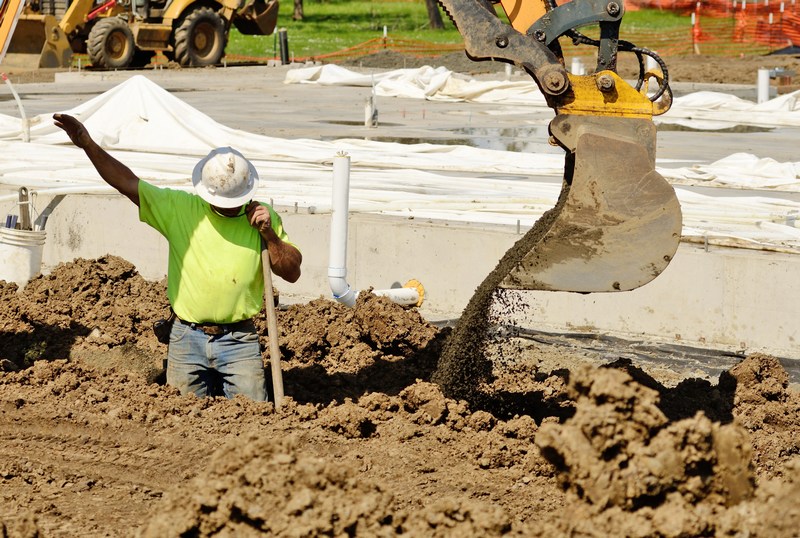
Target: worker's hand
pixel 74 129
pixel 259 218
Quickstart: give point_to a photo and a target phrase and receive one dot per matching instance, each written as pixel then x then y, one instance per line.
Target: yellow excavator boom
pixel 10 11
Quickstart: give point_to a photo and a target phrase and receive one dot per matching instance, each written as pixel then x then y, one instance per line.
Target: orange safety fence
pixel 674 42
pixel 731 26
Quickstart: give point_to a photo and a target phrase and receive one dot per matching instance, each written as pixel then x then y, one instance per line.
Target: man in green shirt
pixel 215 281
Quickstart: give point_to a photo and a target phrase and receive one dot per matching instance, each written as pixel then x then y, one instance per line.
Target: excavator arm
pixel 617 223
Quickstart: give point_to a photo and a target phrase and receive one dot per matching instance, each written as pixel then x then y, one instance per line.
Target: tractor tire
pixel 110 44
pixel 200 39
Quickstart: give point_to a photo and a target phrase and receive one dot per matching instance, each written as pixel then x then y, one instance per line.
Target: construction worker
pixel 215 282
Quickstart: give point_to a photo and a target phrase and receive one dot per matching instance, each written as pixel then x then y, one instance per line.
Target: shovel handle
pixel 272 327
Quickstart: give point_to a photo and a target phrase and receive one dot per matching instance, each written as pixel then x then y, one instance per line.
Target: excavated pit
pixel 367 444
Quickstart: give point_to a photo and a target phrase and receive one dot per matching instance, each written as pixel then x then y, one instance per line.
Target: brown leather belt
pixel 218 329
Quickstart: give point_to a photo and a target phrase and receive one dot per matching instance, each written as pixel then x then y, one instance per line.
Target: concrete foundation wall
pixel 734 299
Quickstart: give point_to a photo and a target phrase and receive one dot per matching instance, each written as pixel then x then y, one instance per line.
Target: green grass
pixel 654 20
pixel 332 25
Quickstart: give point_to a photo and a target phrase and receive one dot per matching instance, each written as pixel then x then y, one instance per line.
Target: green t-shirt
pixel 214 273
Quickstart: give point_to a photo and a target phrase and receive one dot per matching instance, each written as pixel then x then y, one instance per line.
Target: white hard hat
pixel 224 178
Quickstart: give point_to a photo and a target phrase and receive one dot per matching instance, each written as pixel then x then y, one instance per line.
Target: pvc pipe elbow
pixel 342 291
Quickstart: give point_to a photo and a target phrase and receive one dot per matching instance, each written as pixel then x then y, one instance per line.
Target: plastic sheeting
pixel 743 171
pixel 700 110
pixel 161 138
pixel 434 84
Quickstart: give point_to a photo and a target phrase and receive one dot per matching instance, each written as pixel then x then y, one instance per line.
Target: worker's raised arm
pixel 110 169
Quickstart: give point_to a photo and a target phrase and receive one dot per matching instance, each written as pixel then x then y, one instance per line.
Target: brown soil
pixel 366 444
pixel 696 68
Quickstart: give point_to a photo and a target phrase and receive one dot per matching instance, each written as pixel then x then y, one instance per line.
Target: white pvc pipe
pixel 26 125
pixel 337 258
pixel 55 191
pixel 404 296
pixel 93 189
pixel 763 85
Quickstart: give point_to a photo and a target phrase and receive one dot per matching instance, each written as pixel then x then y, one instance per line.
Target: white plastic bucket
pixel 20 254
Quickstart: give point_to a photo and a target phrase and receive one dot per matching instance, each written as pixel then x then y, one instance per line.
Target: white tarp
pixel 714 110
pixel 161 138
pixel 138 115
pixel 434 84
pixel 741 170
pixel 700 110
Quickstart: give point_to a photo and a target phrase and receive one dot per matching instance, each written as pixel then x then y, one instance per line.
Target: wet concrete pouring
pixel 392 426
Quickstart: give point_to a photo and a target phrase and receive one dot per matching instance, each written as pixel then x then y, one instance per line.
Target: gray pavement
pixel 255 99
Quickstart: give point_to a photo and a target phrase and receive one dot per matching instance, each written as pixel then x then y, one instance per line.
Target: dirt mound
pixel 333 335
pixel 258 485
pixel 366 444
pixel 768 409
pixel 628 470
pixel 78 304
pixel 619 449
pixel 238 494
pixel 334 352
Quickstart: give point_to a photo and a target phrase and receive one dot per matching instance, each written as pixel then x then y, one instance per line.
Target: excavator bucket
pixel 617 224
pixel 38 41
pixel 257 17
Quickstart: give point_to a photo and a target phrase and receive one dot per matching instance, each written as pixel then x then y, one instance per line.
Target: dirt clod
pixel 619 449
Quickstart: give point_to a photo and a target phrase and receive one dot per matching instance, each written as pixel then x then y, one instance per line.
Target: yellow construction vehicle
pixel 10 10
pixel 123 33
pixel 617 222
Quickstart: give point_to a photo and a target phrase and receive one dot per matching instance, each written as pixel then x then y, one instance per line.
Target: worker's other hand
pixel 259 218
pixel 74 129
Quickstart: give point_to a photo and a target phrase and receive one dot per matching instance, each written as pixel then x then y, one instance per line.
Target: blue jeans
pixel 196 360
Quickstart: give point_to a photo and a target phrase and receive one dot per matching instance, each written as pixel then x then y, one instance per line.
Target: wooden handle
pixel 272 327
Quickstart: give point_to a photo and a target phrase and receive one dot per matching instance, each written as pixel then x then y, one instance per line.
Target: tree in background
pixel 434 17
pixel 298 10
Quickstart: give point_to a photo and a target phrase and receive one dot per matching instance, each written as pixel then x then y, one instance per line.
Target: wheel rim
pixel 117 45
pixel 203 39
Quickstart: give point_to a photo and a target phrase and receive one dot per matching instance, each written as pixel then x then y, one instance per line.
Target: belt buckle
pixel 213 330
